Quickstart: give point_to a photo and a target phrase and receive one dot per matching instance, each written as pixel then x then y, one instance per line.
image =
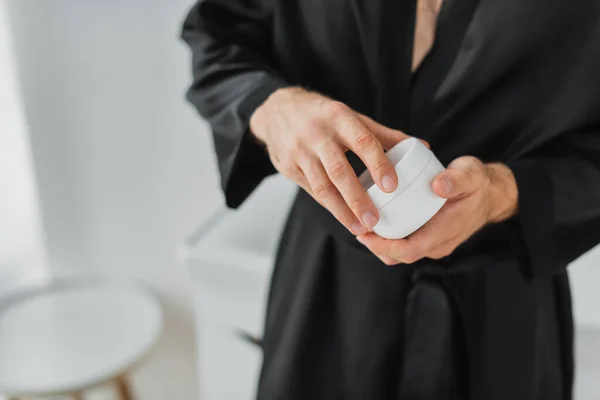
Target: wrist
pixel 260 117
pixel 503 194
pixel 255 123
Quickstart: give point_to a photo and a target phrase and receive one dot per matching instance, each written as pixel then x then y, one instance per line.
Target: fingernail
pixel 447 185
pixel 388 183
pixel 358 228
pixel 360 239
pixel 369 219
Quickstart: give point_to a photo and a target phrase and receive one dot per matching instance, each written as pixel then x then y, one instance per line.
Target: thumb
pixel 463 176
pixel 388 137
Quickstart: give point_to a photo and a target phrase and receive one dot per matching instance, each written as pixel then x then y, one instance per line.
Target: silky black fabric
pixel 430 346
pixel 507 81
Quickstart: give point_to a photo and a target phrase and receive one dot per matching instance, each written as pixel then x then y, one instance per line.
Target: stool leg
pixel 78 396
pixel 123 388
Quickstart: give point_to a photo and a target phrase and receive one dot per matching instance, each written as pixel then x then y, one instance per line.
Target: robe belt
pixel 432 355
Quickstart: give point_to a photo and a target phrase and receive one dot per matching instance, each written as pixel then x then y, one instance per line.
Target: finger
pixel 358 138
pixel 324 191
pixel 439 230
pixel 406 251
pixel 388 261
pixel 463 176
pixel 424 243
pixel 444 250
pixel 395 249
pixel 303 183
pixel 388 137
pixel 440 246
pixel 345 180
pixel 296 175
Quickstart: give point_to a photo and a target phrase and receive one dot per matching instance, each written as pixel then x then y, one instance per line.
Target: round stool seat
pixel 69 337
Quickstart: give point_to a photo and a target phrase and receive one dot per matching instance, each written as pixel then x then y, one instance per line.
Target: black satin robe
pixel 511 81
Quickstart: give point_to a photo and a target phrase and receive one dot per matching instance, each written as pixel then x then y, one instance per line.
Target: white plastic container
pixel 414 202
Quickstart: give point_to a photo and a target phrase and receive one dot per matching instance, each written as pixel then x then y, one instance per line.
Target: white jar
pixel 414 202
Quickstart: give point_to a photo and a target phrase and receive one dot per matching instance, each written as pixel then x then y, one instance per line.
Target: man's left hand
pixel 477 194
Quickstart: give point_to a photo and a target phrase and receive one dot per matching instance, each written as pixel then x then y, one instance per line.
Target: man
pixel 474 305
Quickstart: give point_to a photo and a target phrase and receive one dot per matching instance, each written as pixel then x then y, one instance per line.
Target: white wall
pixel 125 167
pixel 585 283
pixel 22 253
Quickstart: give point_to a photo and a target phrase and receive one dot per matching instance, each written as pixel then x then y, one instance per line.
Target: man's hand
pixel 477 194
pixel 307 136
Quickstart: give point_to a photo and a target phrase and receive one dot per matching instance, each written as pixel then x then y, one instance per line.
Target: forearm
pixel 232 76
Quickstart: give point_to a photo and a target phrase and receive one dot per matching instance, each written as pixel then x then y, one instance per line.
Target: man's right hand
pixel 307 136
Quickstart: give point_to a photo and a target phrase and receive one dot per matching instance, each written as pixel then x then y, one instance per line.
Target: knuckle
pixel 289 163
pixel 297 172
pixel 443 252
pixel 295 146
pixel 285 166
pixel 337 170
pixel 365 140
pixel 330 150
pixel 381 166
pixel 411 258
pixel 323 189
pixel 292 153
pixel 289 152
pixel 292 172
pixel 478 169
pixel 465 162
pixel 474 162
pixel 312 128
pixel 469 168
pixel 413 255
pixel 304 157
pixel 438 253
pixel 355 204
pixel 336 109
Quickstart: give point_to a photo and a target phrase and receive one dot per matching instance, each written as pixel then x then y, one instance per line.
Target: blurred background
pixel 106 171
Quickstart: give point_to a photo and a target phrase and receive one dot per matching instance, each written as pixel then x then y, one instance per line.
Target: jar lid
pixel 409 157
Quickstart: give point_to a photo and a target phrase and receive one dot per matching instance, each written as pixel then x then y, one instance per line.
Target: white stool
pixel 67 337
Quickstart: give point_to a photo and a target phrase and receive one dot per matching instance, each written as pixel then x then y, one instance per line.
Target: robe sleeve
pixel 233 74
pixel 559 201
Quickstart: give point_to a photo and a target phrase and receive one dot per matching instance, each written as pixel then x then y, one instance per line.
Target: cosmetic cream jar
pixel 414 202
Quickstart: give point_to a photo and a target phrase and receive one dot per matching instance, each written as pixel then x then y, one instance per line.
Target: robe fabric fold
pixel 506 81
